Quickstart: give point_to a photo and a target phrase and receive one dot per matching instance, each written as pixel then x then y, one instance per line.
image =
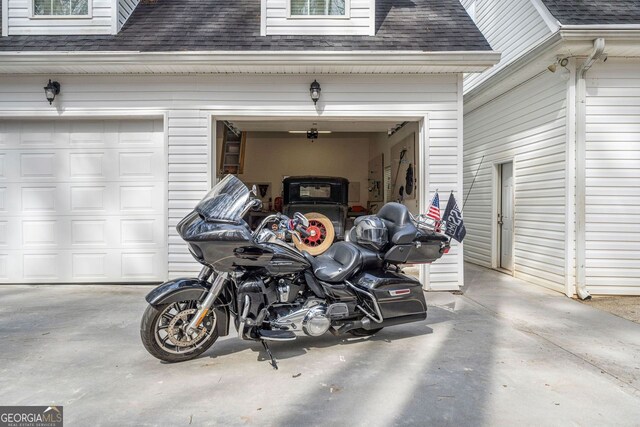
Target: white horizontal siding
pixel 510 27
pixel 189 179
pixel 20 21
pixel 527 124
pixel 444 168
pixel 125 9
pixel 360 20
pixel 613 178
pixel 190 100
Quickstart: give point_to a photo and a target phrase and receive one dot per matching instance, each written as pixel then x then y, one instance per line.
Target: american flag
pixel 434 210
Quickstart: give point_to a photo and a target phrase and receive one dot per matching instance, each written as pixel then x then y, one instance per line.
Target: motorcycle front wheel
pixel 164 336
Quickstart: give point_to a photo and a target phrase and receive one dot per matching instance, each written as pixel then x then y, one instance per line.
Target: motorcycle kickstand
pixel 273 359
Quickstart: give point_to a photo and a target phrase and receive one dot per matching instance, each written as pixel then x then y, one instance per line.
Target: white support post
pixel 423 189
pixel 570 183
pixel 460 181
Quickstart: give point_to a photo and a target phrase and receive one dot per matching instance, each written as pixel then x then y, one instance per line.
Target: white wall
pixel 337 154
pixel 510 27
pixel 613 177
pixel 526 125
pixel 191 100
pixel 359 21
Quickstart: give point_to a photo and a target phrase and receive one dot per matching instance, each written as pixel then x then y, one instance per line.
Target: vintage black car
pixel 324 195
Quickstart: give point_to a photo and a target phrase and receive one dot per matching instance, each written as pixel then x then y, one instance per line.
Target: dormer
pixel 65 17
pixel 317 17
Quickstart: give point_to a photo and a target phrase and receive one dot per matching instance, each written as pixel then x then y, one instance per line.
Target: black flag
pixel 454 224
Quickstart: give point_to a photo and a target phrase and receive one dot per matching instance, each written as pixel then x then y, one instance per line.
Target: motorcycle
pixel 272 291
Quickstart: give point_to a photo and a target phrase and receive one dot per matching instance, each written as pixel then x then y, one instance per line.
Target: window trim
pixel 347 13
pixel 89 14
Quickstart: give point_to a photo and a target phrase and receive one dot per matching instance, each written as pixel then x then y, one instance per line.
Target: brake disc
pixel 177 330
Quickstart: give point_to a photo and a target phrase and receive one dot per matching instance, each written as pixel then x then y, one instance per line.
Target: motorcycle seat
pixel 338 263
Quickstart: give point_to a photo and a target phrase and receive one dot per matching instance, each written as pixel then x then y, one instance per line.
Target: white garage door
pixel 82 201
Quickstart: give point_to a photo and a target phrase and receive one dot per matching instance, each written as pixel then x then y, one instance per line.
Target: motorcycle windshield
pixel 225 201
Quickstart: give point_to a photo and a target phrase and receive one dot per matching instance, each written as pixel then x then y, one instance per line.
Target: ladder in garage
pixel 233 145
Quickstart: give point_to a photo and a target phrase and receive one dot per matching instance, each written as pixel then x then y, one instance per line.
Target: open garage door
pixel 314 159
pixel 82 201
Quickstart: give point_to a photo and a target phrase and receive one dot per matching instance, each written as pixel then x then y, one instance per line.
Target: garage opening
pixel 268 153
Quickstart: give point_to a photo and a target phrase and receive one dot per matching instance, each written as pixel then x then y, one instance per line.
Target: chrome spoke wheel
pixel 170 330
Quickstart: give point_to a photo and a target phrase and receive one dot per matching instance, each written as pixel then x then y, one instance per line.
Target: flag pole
pixel 472 182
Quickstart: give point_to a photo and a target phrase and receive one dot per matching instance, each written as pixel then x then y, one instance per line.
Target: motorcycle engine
pixel 310 318
pixel 316 322
pixel 288 290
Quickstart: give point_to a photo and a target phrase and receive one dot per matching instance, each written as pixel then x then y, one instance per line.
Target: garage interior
pixel 366 152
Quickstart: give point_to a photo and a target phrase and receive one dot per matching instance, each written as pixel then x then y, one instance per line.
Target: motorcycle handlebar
pixel 302 230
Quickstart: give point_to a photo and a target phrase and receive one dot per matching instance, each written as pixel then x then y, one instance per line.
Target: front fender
pixel 176 290
pixel 188 289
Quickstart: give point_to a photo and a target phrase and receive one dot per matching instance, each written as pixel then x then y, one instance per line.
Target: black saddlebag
pixel 396 294
pixel 425 249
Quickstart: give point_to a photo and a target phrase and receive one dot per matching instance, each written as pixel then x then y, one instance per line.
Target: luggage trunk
pixel 425 249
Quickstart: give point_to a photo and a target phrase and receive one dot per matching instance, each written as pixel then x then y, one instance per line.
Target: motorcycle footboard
pixel 397 295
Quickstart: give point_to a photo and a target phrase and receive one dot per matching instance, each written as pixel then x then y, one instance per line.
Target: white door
pixel 82 201
pixel 505 217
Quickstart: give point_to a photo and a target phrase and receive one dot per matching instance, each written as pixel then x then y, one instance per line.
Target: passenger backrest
pixel 398 221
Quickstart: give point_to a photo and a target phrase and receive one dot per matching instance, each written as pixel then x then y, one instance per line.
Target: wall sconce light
pixel 51 90
pixel 314 90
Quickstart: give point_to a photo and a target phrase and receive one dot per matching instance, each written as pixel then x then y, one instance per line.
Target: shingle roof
pixel 225 25
pixel 593 12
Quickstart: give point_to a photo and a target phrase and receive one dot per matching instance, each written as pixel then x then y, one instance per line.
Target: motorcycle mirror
pixel 254 190
pixel 257 205
pixel 301 219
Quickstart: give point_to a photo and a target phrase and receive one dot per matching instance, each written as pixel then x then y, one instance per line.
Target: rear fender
pixel 190 289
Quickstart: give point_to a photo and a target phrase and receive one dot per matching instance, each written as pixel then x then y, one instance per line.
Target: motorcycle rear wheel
pixel 158 321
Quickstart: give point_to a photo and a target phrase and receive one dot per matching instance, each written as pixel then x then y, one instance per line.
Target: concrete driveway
pixel 504 353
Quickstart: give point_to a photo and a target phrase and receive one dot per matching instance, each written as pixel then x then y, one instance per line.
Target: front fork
pixel 205 306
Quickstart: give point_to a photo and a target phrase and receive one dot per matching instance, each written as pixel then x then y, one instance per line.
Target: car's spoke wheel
pixel 322 234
